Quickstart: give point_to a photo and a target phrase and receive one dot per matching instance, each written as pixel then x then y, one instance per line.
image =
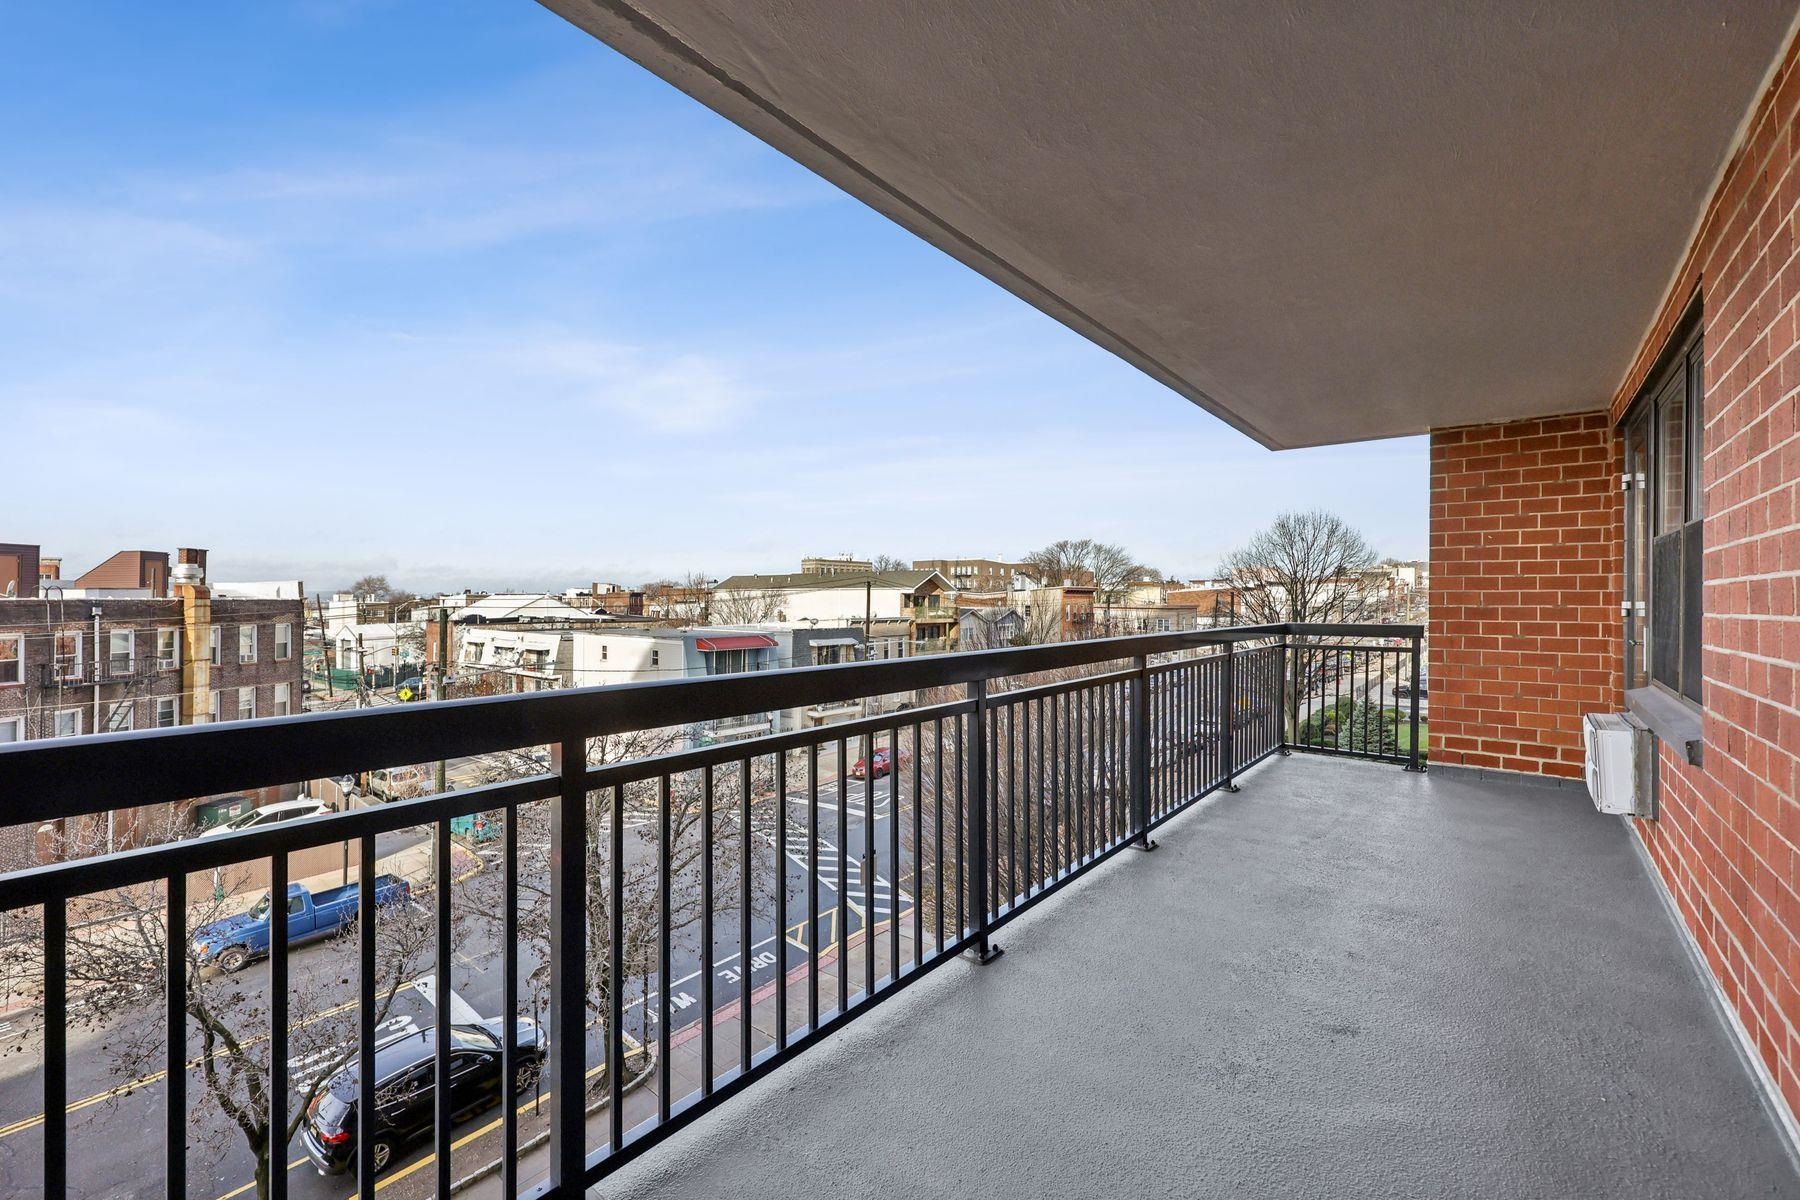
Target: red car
pixel 884 764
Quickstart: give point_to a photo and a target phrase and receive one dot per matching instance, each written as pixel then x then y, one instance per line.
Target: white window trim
pixel 251 656
pixel 173 706
pixel 242 693
pixel 217 651
pixel 284 700
pixel 213 703
pixel 130 636
pixel 173 661
pixel 74 665
pixel 18 641
pixel 58 715
pixel 284 641
pixel 17 725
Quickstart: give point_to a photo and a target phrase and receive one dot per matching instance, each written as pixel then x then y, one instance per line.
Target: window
pixel 12 658
pixel 65 654
pixel 122 717
pixel 283 699
pixel 217 641
pixel 1664 526
pixel 246 710
pixel 119 651
pixel 603 653
pixel 168 649
pixel 284 642
pixel 12 729
pixel 213 709
pixel 66 723
pixel 656 658
pixel 168 712
pixel 246 643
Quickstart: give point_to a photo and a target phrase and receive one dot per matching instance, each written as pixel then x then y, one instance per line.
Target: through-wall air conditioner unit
pixel 1621 764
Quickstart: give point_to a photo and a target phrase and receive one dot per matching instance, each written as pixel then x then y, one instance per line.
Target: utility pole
pixel 324 642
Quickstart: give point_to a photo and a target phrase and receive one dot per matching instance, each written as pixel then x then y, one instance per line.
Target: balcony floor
pixel 1344 981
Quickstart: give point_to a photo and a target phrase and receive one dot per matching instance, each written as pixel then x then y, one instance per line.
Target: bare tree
pixel 117 977
pixel 694 808
pixel 688 599
pixel 1107 568
pixel 887 562
pixel 748 606
pixel 1306 567
pixel 371 585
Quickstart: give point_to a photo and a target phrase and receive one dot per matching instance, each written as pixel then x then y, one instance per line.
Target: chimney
pixel 188 581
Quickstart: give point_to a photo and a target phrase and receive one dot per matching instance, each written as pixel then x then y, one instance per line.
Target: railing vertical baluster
pixel 1286 701
pixel 745 973
pixel 446 1108
pixel 1037 786
pixel 985 950
pixel 937 797
pixel 615 972
pixel 918 846
pixel 1140 751
pixel 1412 719
pixel 707 936
pixel 1022 710
pixel 958 733
pixel 781 898
pixel 568 967
pixel 812 886
pixel 869 862
pixel 843 876
pixel 56 1048
pixel 893 875
pixel 1057 823
pixel 366 1128
pixel 509 1002
pixel 665 913
pixel 1228 739
pixel 175 1105
pixel 276 1149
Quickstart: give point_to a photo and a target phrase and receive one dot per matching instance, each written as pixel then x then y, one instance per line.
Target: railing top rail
pixel 57 778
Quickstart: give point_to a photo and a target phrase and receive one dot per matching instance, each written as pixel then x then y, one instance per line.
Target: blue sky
pixel 454 292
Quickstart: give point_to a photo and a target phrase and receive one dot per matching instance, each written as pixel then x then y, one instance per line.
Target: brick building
pixel 122 653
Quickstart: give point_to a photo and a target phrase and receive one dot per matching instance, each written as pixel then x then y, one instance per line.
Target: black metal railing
pixel 875 850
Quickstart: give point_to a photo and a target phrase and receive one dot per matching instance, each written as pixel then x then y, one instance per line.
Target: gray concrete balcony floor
pixel 1346 980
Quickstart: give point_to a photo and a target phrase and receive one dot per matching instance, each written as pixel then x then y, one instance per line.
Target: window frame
pixel 113 657
pixel 242 694
pixel 283 702
pixel 249 656
pixel 18 659
pixel 56 717
pixel 1650 537
pixel 170 705
pixel 218 643
pixel 284 640
pixel 17 725
pixel 172 660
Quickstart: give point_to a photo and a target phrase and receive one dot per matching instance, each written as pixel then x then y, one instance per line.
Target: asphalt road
pixel 116 1097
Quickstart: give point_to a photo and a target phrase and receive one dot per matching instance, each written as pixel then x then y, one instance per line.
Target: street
pixel 116 1121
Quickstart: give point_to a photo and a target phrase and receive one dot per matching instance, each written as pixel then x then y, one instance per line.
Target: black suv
pixel 405 1090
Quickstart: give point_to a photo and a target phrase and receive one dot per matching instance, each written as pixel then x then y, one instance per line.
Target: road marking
pixel 132 1085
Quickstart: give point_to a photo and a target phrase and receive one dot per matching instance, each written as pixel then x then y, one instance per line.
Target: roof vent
pixel 187 574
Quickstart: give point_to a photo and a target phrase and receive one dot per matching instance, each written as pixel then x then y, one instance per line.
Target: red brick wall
pixel 1526 522
pixel 1728 841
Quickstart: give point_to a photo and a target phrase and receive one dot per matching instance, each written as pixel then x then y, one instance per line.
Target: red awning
pixel 737 641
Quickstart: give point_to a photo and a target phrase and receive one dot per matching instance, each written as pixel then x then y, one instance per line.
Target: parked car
pixel 405 1090
pixel 270 814
pixel 884 764
pixel 230 944
pixel 1403 690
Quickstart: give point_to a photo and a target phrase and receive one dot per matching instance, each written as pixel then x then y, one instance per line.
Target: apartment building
pixel 980 574
pixel 136 644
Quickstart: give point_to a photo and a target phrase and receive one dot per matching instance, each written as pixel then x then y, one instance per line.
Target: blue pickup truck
pixel 231 943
